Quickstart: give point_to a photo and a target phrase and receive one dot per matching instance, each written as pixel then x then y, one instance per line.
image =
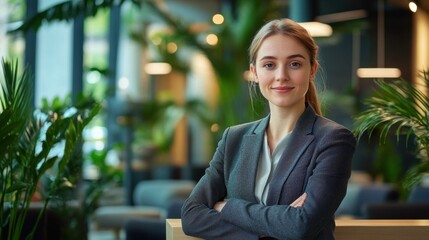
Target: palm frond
pixel 396 104
pixel 26 144
pixel 68 10
pixel 402 107
pixel 15 105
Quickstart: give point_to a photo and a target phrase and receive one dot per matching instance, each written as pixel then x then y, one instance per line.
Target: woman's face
pixel 283 71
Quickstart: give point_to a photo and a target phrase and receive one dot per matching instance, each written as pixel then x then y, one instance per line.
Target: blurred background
pixel 171 75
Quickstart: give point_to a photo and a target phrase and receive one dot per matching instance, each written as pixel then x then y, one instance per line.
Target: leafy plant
pixel 158 121
pixel 402 108
pixel 35 145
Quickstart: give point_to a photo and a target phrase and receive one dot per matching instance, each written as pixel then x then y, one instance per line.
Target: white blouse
pixel 266 167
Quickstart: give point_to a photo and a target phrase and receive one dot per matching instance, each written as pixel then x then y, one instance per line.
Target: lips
pixel 282 88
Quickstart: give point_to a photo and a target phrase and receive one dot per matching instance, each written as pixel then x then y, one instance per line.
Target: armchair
pixel 152 199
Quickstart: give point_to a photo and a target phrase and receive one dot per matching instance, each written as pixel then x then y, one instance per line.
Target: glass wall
pixel 53 58
pixel 12 13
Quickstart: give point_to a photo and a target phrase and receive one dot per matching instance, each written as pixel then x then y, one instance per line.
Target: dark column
pixel 30 44
pixel 77 67
pixel 114 32
pixel 117 109
pixel 302 10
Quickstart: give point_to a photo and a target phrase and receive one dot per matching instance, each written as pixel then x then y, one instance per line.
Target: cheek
pixel 265 76
pixel 301 78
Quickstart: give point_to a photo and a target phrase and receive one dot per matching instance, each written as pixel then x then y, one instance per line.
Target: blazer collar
pixel 250 152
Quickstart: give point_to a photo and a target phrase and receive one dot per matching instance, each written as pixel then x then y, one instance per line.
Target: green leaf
pixel 400 108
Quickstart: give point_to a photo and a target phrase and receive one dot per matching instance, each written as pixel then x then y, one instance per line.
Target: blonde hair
pixel 292 29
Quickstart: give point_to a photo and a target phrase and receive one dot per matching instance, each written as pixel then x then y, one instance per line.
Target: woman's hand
pixel 299 202
pixel 219 205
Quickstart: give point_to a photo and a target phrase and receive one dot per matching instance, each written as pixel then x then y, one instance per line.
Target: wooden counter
pixel 347 229
pixel 174 230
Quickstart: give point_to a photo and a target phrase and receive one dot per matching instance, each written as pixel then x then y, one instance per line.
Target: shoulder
pixel 311 123
pixel 323 123
pixel 326 128
pixel 245 126
pixel 236 133
pixel 249 127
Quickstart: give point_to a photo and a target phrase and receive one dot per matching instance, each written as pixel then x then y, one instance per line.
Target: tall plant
pixel 33 144
pixel 400 107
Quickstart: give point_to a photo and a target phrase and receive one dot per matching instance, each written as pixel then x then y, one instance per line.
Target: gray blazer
pixel 317 161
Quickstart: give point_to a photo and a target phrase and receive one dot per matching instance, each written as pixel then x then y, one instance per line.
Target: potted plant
pixel 402 108
pixel 37 151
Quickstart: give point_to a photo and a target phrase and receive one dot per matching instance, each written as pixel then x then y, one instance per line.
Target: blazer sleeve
pixel 325 188
pixel 199 219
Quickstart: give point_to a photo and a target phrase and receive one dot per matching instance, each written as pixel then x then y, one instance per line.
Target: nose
pixel 282 73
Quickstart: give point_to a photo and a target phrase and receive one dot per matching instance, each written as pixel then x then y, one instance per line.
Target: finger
pixel 299 202
pixel 296 202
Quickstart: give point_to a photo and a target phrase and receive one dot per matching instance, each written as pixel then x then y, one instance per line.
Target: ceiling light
pixel 317 29
pixel 378 73
pixel 413 6
pixel 157 68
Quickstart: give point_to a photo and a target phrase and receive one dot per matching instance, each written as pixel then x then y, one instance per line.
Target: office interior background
pixel 171 75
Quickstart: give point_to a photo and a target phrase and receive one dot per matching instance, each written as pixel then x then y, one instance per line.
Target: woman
pixel 283 176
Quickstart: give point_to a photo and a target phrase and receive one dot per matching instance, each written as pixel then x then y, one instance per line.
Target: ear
pixel 253 71
pixel 314 71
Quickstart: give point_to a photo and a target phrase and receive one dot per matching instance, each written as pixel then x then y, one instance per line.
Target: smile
pixel 282 89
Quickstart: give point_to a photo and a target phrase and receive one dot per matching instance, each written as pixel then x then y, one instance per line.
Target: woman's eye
pixel 295 64
pixel 268 65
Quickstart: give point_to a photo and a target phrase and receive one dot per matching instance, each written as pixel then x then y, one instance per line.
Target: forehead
pixel 280 45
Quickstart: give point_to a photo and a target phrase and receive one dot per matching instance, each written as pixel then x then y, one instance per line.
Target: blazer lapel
pixel 250 152
pixel 302 137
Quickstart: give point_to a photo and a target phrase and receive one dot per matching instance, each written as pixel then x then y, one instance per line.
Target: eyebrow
pixel 289 57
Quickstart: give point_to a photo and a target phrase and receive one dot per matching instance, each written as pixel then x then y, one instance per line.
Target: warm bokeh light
pixel 378 73
pixel 317 29
pixel 212 39
pixel 157 68
pixel 218 19
pixel 412 6
pixel 214 127
pixel 171 47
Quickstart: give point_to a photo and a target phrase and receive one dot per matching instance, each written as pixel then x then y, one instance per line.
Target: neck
pixel 282 122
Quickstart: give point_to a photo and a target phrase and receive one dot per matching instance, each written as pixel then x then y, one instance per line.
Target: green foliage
pixel 34 146
pixel 67 10
pixel 228 58
pixel 159 119
pixel 403 108
pixel 387 163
